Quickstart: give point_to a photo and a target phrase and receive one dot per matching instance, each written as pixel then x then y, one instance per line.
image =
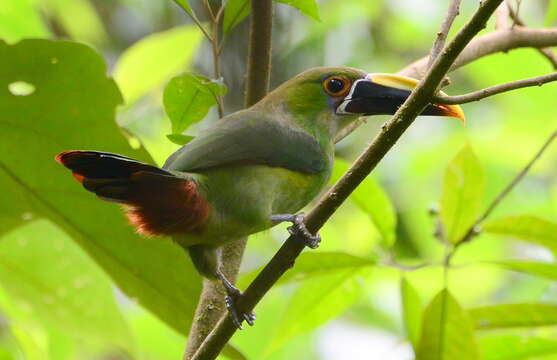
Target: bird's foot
pixel 232 294
pixel 299 228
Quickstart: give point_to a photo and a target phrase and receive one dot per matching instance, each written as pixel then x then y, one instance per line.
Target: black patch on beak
pixel 369 98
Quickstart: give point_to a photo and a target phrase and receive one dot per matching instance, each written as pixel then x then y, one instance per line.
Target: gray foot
pixel 298 228
pixel 232 295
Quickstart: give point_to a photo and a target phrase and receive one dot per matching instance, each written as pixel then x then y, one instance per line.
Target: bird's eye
pixel 337 85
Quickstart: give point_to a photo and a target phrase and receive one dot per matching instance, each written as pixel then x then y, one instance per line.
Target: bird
pixel 249 170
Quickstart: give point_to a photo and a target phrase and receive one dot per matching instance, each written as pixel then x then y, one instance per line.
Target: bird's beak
pixel 382 94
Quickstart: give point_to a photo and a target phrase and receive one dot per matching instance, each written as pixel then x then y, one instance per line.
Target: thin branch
pixel 192 16
pixel 474 229
pixel 494 90
pixel 502 16
pixel 443 32
pixel 491 43
pixel 545 52
pixel 368 160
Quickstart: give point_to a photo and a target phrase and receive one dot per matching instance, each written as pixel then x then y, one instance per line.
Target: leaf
pixel 234 12
pixel 237 10
pixel 45 273
pixel 411 312
pixel 180 139
pixel 151 61
pixel 447 332
pixel 541 269
pixel 316 301
pixel 20 19
pixel 513 315
pixel 516 347
pixel 187 99
pixel 461 199
pixel 527 228
pixel 307 7
pixel 374 201
pixel 312 264
pixel 184 4
pixel 73 107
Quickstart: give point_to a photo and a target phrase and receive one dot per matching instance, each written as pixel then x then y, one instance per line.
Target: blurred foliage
pixel 77 283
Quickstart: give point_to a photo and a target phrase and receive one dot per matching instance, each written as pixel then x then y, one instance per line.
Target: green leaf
pixel 316 301
pixel 184 4
pixel 447 332
pixel 373 200
pixel 45 273
pixel 541 269
pixel 307 7
pixel 73 107
pixel 516 347
pixel 312 264
pixel 180 139
pixel 527 228
pixel 234 12
pixel 19 19
pixel 188 97
pixel 411 312
pixel 513 315
pixel 462 195
pixel 151 61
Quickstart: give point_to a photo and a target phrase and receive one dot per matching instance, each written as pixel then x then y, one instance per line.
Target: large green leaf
pixel 73 107
pixel 316 301
pixel 411 312
pixel 462 195
pixel 188 98
pixel 516 347
pixel 311 264
pixel 526 227
pixel 374 201
pixel 151 61
pixel 513 315
pixel 52 279
pixel 447 332
pixel 541 269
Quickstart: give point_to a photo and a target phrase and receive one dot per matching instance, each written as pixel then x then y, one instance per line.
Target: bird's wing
pixel 243 139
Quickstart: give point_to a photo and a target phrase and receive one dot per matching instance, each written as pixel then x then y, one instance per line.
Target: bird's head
pixel 331 98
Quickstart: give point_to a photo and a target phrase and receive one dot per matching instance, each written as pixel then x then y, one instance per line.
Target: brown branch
pixel 368 160
pixel 502 16
pixel 494 90
pixel 211 306
pixel 545 52
pixel 494 42
pixel 452 13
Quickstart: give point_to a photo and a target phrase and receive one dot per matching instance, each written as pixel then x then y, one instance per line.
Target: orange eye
pixel 337 85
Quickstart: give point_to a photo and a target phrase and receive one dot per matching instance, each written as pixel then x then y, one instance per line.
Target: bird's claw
pixel 232 295
pixel 298 228
pixel 236 316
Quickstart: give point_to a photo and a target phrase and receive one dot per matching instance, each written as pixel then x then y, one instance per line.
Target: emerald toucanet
pixel 250 169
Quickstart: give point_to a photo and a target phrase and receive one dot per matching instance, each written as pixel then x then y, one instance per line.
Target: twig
pixel 494 90
pixel 502 16
pixel 491 43
pixel 192 15
pixel 383 142
pixel 443 32
pixel 545 52
pixel 475 228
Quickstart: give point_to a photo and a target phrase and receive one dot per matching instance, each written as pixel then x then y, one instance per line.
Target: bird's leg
pixel 298 228
pixel 232 295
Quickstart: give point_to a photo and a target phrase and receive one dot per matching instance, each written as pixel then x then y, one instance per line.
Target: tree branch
pixel 494 90
pixel 443 32
pixel 383 142
pixel 211 306
pixel 494 42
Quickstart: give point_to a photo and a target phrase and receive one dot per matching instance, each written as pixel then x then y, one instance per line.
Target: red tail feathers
pixel 157 202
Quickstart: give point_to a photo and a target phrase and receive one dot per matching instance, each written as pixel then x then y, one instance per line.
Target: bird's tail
pixel 156 201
